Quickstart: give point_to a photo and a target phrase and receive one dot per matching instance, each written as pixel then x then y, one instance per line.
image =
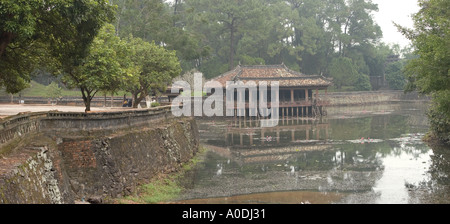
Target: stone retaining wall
pixel 372 97
pixel 58 157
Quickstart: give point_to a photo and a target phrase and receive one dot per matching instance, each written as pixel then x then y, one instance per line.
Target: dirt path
pixel 13 109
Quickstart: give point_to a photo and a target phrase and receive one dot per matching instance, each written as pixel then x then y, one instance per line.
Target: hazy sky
pixel 398 11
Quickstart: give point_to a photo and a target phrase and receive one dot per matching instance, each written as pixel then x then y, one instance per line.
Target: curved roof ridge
pixel 262 66
pixel 231 71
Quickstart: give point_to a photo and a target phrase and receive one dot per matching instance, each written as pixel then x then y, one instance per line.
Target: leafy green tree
pixel 225 23
pixel 394 76
pixel 429 73
pixel 101 69
pixel 19 50
pixel 52 34
pixel 53 91
pixel 154 69
pixel 158 21
pixel 363 83
pixel 343 72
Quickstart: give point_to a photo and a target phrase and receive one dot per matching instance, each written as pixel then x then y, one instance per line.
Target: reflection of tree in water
pixel 349 129
pixel 329 161
pixel 437 188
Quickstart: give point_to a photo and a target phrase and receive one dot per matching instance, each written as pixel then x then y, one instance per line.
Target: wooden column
pixel 292 95
pixel 306 94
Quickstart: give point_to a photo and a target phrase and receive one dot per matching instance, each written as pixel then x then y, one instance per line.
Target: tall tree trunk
pixel 134 98
pixel 88 104
pixel 137 99
pixel 86 99
pixel 104 101
pixel 232 33
pixel 112 99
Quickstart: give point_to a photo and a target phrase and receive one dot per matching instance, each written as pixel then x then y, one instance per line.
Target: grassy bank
pixel 164 187
pixel 39 90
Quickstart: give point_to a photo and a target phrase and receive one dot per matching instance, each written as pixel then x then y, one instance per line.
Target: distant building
pixel 299 94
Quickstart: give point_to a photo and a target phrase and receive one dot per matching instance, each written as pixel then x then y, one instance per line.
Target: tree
pixel 163 23
pixel 429 73
pixel 155 67
pixel 224 23
pixel 343 72
pixel 38 33
pixel 394 76
pixel 101 69
pixel 19 49
pixel 363 83
pixel 53 91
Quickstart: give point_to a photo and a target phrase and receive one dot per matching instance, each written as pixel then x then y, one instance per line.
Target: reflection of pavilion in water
pixel 246 142
pixel 296 155
pixel 247 133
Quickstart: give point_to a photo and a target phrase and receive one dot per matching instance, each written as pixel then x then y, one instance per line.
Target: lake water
pixel 360 154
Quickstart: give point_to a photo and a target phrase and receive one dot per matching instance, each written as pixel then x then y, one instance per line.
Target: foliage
pixel 363 83
pixel 394 76
pixel 439 116
pixel 19 50
pixel 155 104
pixel 304 34
pixel 343 72
pixel 53 91
pixel 226 25
pixel 100 70
pixel 429 73
pixel 53 34
pixel 189 77
pixel 154 69
pixel 154 20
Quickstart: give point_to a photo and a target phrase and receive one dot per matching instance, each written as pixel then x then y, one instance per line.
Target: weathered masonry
pixel 56 157
pixel 299 95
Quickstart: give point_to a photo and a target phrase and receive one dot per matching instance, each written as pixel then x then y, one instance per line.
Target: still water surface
pixel 363 154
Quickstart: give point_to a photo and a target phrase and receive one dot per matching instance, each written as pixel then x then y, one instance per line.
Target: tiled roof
pixel 268 73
